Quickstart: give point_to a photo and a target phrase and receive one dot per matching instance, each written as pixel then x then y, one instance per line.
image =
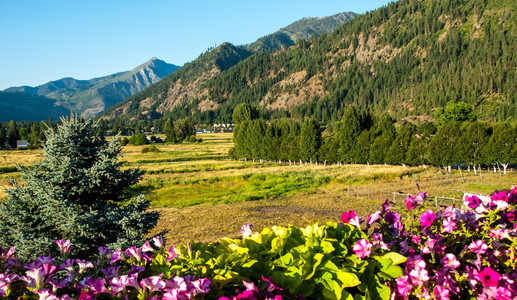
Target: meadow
pixel 204 196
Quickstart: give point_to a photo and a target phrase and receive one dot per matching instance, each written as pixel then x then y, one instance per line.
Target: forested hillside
pixel 406 58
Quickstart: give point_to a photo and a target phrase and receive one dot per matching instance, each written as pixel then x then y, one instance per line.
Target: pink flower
pixel 403 286
pixel 172 253
pixel 146 247
pixel 65 246
pixel 448 225
pixel 449 262
pixel 414 201
pixel 478 247
pixel 153 283
pixel 134 253
pixel 415 262
pixel 158 242
pixel 362 248
pixel 347 216
pixel 373 218
pixel 427 218
pixel 419 276
pixel 489 277
pixel 441 293
pixel 115 256
pixel 246 230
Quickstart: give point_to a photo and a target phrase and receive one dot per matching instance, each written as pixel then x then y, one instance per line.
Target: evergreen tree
pixel 471 144
pixel 170 132
pixel 13 134
pixel 350 130
pixel 76 192
pixel 310 140
pixel 3 136
pixel 443 145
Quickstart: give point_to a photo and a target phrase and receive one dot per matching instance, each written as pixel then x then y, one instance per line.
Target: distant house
pixel 22 144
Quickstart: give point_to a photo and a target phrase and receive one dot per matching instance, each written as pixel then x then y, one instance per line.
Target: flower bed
pixel 425 253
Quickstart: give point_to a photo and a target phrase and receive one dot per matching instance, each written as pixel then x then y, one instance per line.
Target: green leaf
pixel 310 267
pixel 395 257
pixel 348 279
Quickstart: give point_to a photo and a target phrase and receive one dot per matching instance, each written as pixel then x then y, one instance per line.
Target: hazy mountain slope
pixel 302 29
pixel 90 97
pixel 24 106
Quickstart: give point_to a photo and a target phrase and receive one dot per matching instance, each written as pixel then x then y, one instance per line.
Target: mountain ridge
pixel 92 96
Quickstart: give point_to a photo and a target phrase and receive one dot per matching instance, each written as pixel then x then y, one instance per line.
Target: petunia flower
pixel 104 251
pixel 176 283
pixel 419 276
pixel 65 246
pixel 83 265
pixel 172 253
pixel 441 293
pixel 134 253
pixel 478 247
pixel 449 225
pixel 489 277
pixel 146 247
pixel 450 262
pixel 347 216
pixel 427 218
pixel 115 256
pixel 362 248
pixel 153 283
pixel 158 242
pixel 403 286
pixel 246 230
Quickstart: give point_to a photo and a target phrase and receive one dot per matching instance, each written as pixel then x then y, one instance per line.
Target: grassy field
pixel 204 196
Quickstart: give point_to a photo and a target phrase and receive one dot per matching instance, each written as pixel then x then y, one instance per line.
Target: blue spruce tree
pixel 76 192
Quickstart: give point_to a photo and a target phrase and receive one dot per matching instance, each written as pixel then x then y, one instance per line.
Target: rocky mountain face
pixel 303 29
pixel 90 97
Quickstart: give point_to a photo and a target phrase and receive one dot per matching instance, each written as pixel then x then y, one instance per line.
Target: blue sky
pixel 44 40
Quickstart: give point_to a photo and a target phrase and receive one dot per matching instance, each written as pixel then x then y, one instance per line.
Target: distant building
pixel 22 144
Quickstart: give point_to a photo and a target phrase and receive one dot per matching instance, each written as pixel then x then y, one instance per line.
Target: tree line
pixel 457 138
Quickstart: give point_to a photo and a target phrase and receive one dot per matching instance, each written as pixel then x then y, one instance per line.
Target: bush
pixel 151 148
pixel 138 139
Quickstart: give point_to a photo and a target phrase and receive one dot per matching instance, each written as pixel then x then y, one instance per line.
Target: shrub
pixel 151 148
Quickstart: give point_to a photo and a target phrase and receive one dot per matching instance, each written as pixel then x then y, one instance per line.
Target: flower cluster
pixel 452 252
pixel 121 274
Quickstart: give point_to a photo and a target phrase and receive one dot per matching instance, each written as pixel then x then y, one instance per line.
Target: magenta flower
pixel 115 256
pixel 478 247
pixel 441 293
pixel 65 246
pixel 392 217
pixel 246 230
pixel 415 262
pixel 500 196
pixel 403 286
pixel 172 295
pixel 362 248
pixel 95 285
pixel 356 222
pixel 427 218
pixel 489 277
pixel 46 295
pixel 449 225
pixel 378 242
pixel 413 201
pixel 347 216
pixel 450 262
pixel 473 201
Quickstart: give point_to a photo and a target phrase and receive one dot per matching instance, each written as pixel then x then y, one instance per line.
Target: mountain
pixel 407 58
pixel 185 86
pixel 90 97
pixel 303 29
pixel 180 87
pixel 20 106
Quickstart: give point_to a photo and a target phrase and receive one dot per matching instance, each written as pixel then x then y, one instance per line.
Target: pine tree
pixel 76 192
pixel 310 140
